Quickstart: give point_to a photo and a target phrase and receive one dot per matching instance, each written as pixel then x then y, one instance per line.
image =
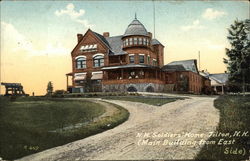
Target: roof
pixel 184 65
pixel 116 45
pixel 155 42
pixel 136 28
pixel 220 77
pixel 102 38
pixel 129 66
pixel 204 74
pixel 173 68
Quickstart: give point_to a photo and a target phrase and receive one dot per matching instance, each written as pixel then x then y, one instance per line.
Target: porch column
pixel 67 82
pixel 106 75
pixel 222 89
pixel 122 73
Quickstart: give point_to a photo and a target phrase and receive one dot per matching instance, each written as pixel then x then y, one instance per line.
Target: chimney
pixel 106 34
pixel 79 37
pixel 150 35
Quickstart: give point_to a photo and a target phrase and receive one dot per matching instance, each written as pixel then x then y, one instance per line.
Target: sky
pixel 37 37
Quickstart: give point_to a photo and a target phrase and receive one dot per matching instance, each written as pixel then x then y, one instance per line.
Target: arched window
pixel 80 62
pixel 98 60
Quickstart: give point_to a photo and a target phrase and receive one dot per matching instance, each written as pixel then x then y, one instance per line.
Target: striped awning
pixel 96 76
pixel 80 76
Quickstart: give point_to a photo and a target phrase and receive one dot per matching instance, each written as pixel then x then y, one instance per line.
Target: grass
pixel 27 125
pixel 156 101
pixel 234 116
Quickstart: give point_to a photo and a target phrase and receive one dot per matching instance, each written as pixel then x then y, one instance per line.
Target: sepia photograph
pixel 160 80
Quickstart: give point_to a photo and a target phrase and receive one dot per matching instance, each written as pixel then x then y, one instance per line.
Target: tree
pixel 49 89
pixel 239 54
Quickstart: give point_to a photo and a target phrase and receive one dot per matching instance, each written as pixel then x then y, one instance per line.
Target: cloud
pixel 211 14
pixel 212 45
pixel 73 14
pixel 14 42
pixel 11 36
pixel 195 25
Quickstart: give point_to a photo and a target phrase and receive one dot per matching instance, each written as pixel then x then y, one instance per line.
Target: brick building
pixel 183 76
pixel 129 62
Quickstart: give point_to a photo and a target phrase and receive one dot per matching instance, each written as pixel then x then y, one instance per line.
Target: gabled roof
pixel 115 45
pixel 102 38
pixel 184 65
pixel 220 77
pixel 173 68
pixel 155 42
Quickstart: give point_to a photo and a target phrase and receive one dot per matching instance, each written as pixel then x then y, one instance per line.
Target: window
pixel 141 58
pixel 88 48
pixel 126 42
pixel 148 59
pixel 135 40
pixel 130 41
pixel 81 63
pixel 144 41
pixel 140 41
pixel 147 42
pixel 131 59
pixel 98 61
pixel 154 62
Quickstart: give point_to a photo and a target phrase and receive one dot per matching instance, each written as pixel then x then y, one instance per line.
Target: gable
pixel 90 40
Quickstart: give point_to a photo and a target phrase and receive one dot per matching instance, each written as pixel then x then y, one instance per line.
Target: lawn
pixel 151 100
pixel 29 125
pixel 234 117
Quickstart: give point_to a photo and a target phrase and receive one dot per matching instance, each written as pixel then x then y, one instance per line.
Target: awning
pixel 96 76
pixel 81 76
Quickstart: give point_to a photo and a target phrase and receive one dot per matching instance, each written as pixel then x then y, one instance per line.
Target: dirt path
pixel 184 121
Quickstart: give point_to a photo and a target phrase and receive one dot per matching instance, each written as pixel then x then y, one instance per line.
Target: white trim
pixel 98 55
pixel 80 56
pixel 76 74
pixel 142 54
pixel 99 72
pixel 131 54
pixel 154 59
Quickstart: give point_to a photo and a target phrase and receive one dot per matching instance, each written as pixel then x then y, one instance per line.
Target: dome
pixel 136 28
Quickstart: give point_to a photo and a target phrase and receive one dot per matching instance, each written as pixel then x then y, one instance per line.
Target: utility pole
pixel 199 60
pixel 154 16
